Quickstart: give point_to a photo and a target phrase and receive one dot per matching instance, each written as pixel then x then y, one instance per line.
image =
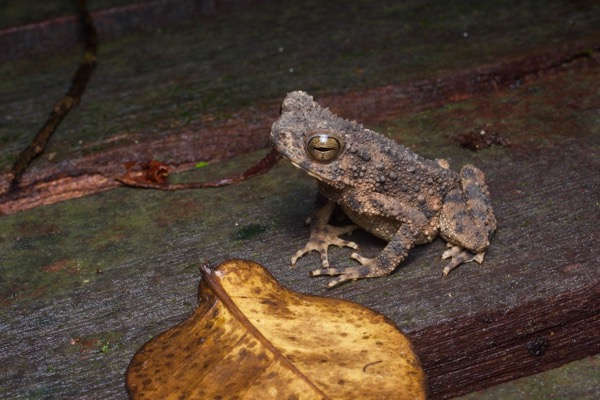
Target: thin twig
pixel 154 176
pixel 63 105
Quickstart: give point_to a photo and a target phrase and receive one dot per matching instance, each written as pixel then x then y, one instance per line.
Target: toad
pixel 384 188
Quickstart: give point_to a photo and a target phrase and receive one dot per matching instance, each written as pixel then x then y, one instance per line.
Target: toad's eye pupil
pixel 324 147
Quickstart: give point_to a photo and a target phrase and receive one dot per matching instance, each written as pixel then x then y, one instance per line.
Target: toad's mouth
pixel 311 173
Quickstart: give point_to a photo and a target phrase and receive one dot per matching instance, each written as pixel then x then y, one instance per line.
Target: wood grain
pixel 495 346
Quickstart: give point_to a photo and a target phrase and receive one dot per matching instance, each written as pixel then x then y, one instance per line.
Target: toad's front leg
pixel 382 265
pixel 412 223
pixel 323 235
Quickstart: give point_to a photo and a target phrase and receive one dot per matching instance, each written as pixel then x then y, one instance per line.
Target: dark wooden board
pixel 84 283
pixel 494 346
pixel 534 294
pixel 31 29
pixel 574 380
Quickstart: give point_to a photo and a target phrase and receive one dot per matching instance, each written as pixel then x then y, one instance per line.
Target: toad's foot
pixel 459 256
pixel 368 269
pixel 321 237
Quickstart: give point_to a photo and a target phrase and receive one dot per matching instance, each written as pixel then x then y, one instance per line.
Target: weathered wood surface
pixel 84 283
pixel 570 381
pixel 51 27
pixel 209 89
pixel 47 183
pixel 495 346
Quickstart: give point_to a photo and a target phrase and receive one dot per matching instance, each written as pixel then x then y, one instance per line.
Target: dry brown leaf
pixel 250 338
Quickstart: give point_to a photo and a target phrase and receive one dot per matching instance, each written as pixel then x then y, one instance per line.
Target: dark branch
pixel 64 104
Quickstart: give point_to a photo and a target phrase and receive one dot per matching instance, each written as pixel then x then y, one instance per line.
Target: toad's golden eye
pixel 324 147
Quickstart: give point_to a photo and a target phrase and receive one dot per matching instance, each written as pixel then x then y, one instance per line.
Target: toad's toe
pixel 320 240
pixel 459 256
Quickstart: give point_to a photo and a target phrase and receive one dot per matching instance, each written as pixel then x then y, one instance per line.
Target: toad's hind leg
pixel 459 256
pixel 467 219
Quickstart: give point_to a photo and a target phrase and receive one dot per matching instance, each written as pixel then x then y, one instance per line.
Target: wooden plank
pixel 33 33
pixel 84 283
pixel 495 346
pixel 60 313
pixel 576 380
pixel 48 183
